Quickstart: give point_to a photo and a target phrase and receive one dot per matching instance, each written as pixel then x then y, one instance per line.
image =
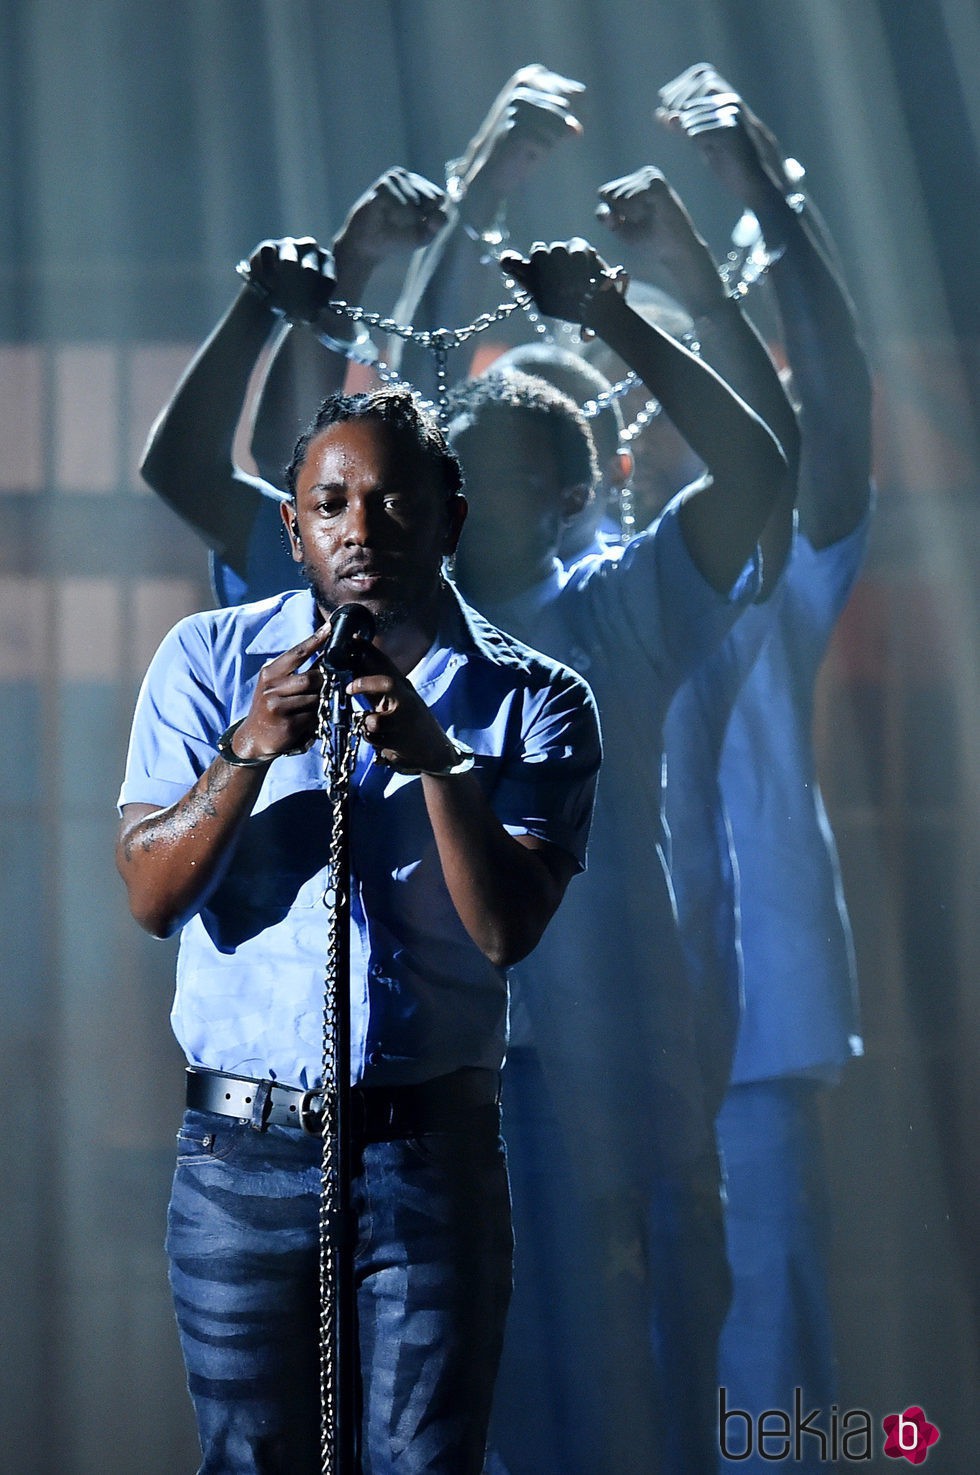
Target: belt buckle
pixel 310 1118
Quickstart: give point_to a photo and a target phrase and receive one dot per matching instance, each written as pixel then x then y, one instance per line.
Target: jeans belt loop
pixel 261 1105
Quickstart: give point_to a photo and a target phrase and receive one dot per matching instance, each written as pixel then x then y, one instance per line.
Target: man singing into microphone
pixel 471 800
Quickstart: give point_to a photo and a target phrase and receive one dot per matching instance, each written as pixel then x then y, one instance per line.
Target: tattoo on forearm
pixel 183 818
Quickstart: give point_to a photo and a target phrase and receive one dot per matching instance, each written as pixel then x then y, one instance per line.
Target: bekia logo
pixel 779 1434
pixel 909 1435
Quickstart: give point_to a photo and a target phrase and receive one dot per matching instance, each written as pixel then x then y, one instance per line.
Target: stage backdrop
pixel 146 147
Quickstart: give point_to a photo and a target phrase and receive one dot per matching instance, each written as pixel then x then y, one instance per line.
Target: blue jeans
pixel 610 1361
pixel 433 1273
pixel 778 1336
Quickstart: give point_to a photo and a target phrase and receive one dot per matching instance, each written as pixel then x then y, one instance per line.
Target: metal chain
pixel 438 341
pixel 593 407
pixel 548 332
pixel 337 770
pixel 745 267
pixel 425 338
pixel 742 270
pixel 495 241
pixel 437 337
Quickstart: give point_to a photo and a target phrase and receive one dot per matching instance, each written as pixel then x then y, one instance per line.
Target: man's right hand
pixel 400 212
pixel 531 113
pixel 283 715
pixel 296 274
pixel 644 211
pixel 736 145
pixel 172 858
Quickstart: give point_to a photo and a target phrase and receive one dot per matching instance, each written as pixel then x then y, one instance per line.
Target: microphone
pixel 350 625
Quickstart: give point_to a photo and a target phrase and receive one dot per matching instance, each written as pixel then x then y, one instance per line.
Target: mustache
pixel 367 563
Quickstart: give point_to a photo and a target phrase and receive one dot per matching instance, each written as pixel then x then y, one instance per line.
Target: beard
pixel 388 614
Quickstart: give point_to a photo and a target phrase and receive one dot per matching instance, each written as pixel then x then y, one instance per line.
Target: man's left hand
pixel 562 277
pixel 643 209
pixel 400 212
pixel 400 728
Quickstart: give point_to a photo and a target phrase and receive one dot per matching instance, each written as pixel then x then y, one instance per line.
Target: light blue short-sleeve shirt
pixel 800 980
pixel 424 999
pixel 606 991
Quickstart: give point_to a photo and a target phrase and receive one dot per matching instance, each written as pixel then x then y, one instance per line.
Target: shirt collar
pixel 476 634
pixel 462 630
pixel 292 618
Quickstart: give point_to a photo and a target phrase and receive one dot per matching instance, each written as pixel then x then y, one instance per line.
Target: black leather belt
pixel 377 1112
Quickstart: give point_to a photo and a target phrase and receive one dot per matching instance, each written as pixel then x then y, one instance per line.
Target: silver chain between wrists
pixel 438 341
pixel 494 240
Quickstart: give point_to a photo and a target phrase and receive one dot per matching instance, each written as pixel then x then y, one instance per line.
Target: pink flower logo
pixel 909 1435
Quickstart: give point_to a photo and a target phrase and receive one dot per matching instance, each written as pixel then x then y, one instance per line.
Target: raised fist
pixel 295 274
pixel 738 147
pixel 530 114
pixel 562 277
pixel 400 212
pixel 643 210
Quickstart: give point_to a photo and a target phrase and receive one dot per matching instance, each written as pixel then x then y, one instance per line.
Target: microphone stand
pixel 351 626
pixel 338 1328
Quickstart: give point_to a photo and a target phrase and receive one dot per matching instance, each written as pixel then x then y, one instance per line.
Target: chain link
pixel 593 407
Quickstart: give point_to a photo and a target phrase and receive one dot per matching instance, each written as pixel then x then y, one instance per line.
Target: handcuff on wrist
pixel 492 239
pixel 464 761
pixel 464 757
pixel 244 270
pixel 616 279
pixel 360 349
pixel 236 760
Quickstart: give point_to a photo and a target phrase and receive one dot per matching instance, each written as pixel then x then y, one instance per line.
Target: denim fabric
pixel 610 1360
pixel 549 1407
pixel 778 1336
pixel 667 1289
pixel 433 1270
